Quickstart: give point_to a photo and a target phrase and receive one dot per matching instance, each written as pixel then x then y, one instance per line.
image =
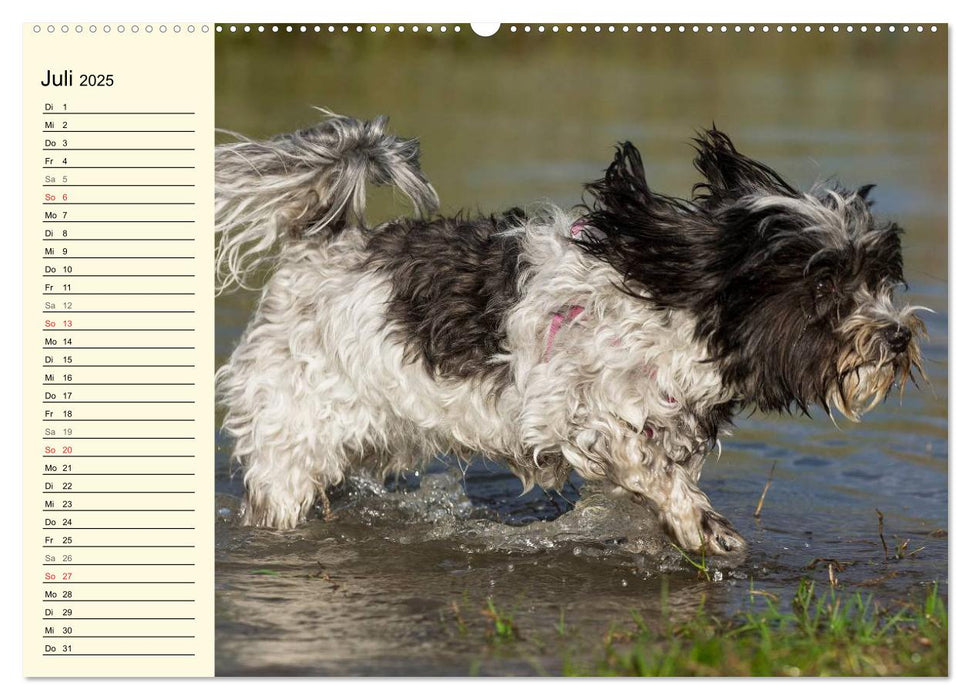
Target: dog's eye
pixel 824 288
pixel 825 297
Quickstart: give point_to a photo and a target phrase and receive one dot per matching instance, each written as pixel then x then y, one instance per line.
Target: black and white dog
pixel 616 341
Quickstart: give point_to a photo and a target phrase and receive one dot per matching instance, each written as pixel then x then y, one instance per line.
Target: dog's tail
pixel 307 183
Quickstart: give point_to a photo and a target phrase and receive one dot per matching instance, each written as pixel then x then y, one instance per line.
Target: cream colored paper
pixel 118 319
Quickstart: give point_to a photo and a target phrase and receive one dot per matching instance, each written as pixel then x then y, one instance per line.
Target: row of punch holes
pixel 582 28
pixel 120 28
pixel 539 29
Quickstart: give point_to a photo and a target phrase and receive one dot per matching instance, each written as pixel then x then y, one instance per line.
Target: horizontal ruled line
pixel 119 546
pixel 127 113
pixel 118 347
pixel 116 618
pixel 124 600
pixel 115 636
pixel 74 563
pixel 138 276
pixel 119 420
pixel 58 150
pixel 116 366
pixel 117 330
pixel 126 184
pixel 106 583
pixel 69 492
pixel 114 204
pixel 123 221
pixel 109 456
pixel 119 294
pixel 115 437
pixel 118 384
pixel 118 257
pixel 127 240
pixel 70 401
pixel 118 167
pixel 73 474
pixel 113 528
pixel 118 131
pixel 106 654
pixel 116 311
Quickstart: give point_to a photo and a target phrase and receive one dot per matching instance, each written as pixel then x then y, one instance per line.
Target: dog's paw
pixel 704 531
pixel 719 538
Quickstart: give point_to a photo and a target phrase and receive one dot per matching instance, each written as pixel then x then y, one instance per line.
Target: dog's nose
pixel 897 338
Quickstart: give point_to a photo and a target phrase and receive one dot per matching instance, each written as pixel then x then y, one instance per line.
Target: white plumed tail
pixel 305 184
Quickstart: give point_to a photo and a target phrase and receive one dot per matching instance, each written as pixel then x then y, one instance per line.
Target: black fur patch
pixel 454 281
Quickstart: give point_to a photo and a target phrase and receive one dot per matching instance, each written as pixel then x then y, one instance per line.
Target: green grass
pixel 826 633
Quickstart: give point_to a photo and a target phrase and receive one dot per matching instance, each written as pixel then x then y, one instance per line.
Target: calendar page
pixel 396 349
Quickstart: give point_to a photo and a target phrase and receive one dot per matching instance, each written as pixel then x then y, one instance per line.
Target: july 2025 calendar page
pixel 397 349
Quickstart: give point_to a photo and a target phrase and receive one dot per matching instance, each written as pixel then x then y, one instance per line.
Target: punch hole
pixel 485 28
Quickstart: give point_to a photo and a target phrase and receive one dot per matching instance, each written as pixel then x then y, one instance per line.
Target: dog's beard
pixel 867 370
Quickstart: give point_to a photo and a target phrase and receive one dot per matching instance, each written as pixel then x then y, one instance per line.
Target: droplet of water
pixel 717 575
pixel 623 582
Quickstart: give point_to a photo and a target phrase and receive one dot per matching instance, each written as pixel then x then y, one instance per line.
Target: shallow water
pixel 396 581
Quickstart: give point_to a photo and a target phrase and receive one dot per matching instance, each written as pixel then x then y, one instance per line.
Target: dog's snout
pixel 897 338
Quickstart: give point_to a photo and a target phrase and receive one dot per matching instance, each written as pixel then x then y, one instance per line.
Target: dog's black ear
pixel 729 174
pixel 624 184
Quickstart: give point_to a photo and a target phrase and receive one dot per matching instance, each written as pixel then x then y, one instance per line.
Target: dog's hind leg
pixel 292 423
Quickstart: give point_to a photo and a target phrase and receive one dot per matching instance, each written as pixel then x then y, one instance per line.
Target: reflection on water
pixel 388 585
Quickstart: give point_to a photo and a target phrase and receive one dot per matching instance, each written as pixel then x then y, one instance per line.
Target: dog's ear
pixel 729 174
pixel 624 183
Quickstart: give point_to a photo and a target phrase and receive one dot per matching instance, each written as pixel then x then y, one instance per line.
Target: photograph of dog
pixel 616 340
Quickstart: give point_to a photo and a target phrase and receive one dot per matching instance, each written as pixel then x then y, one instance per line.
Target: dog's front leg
pixel 639 465
pixel 690 519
